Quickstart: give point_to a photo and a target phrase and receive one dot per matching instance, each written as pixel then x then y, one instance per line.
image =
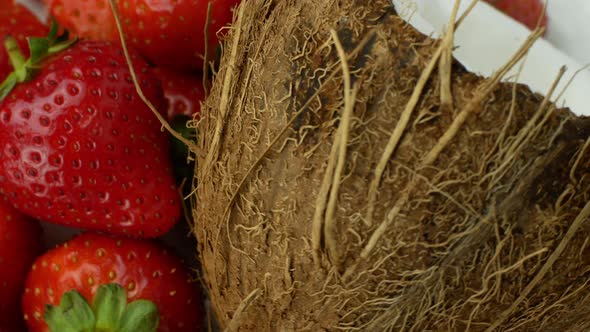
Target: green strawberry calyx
pixel 109 312
pixel 40 48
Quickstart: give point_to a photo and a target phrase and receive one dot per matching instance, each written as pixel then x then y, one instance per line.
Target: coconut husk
pixel 340 190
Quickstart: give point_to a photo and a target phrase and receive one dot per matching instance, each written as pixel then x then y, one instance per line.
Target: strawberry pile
pixel 80 147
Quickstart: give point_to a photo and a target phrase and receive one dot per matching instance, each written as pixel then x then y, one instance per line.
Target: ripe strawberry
pixel 17 21
pixel 20 243
pixel 526 12
pixel 184 92
pixel 169 33
pixel 173 34
pixel 80 148
pixel 85 263
pixel 87 19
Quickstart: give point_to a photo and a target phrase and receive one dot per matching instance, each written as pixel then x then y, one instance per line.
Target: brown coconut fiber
pixel 353 177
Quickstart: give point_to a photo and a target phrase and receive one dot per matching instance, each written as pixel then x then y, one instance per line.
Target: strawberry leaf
pixel 109 312
pixel 109 305
pixel 53 29
pixel 72 315
pixel 40 48
pixel 141 315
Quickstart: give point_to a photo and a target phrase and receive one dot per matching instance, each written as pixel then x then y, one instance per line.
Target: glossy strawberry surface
pixel 170 33
pixel 144 268
pixel 183 91
pixel 91 19
pixel 80 148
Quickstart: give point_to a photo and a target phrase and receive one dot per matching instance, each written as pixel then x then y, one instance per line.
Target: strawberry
pixel 526 12
pixel 88 19
pixel 17 21
pixel 20 243
pixel 78 271
pixel 79 146
pixel 173 34
pixel 168 33
pixel 183 91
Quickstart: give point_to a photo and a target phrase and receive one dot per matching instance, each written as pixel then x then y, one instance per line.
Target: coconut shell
pixel 326 201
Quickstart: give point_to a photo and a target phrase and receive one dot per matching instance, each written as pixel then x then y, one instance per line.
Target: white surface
pixel 487 38
pixel 569 27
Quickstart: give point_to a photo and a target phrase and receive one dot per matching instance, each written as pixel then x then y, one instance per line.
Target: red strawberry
pixel 89 19
pixel 184 92
pixel 169 33
pixel 526 12
pixel 17 21
pixel 80 148
pixel 20 243
pixel 144 269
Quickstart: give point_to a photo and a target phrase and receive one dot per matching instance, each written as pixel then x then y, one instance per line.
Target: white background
pixel 488 38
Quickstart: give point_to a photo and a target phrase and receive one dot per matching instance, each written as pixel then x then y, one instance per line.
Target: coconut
pixel 353 177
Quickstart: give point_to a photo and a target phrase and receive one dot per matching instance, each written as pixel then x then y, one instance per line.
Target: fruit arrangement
pixel 82 147
pixel 331 179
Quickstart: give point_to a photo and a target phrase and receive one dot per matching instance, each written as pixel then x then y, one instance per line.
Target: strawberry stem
pixel 109 305
pixel 40 49
pixel 109 312
pixel 72 315
pixel 17 59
